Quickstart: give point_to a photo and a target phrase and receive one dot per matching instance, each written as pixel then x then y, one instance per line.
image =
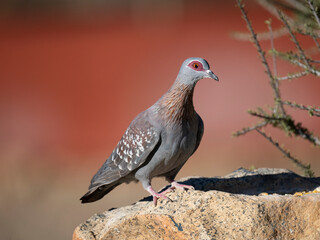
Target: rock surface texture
pixel 259 204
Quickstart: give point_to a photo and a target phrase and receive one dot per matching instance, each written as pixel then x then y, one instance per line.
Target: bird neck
pixel 177 104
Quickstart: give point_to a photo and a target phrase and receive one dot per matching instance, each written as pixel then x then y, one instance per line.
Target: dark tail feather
pixel 97 193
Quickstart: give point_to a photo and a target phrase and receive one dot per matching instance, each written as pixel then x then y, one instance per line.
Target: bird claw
pixel 156 196
pixel 181 186
pixel 175 185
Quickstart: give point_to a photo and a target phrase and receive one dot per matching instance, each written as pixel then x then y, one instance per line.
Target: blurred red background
pixel 72 81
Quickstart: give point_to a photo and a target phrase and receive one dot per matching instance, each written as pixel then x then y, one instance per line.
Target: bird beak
pixel 212 75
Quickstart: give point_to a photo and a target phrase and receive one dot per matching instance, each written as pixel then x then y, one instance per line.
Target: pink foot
pixel 156 195
pixel 175 185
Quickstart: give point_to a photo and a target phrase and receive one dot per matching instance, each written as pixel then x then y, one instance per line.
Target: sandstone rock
pixel 245 204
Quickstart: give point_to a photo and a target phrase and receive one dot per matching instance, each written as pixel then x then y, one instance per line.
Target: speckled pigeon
pixel 158 141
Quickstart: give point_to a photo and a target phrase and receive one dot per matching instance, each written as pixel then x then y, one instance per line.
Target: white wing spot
pixel 141 148
pixel 139 142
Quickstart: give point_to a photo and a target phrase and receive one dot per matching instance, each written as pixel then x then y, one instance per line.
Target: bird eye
pixel 195 65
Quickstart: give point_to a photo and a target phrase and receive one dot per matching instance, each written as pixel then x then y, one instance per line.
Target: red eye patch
pixel 195 65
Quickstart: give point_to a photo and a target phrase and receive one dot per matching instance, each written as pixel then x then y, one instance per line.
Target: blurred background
pixel 75 73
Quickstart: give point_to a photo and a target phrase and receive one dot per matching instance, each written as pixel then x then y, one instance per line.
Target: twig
pixel 313 60
pixel 289 126
pixel 273 81
pixel 260 36
pixel 292 76
pixel 267 5
pixel 306 168
pixel 274 61
pixel 294 39
pixel 312 110
pixel 305 134
pixel 316 41
pixel 292 57
pixel 248 129
pixel 280 32
pixel 313 12
pixel 311 70
pixel 266 117
pixel 297 5
pixel 278 118
pixel 304 32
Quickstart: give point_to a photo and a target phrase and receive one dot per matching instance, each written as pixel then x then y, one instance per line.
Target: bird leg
pixel 175 185
pixel 156 195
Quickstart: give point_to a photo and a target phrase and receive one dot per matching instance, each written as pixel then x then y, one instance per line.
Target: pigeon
pixel 159 141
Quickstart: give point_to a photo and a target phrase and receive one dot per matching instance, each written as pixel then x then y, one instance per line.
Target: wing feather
pixel 132 150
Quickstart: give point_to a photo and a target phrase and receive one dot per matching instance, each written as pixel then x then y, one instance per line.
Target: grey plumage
pixel 159 140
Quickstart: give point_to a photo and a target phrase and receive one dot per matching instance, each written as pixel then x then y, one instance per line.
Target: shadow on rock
pixel 262 180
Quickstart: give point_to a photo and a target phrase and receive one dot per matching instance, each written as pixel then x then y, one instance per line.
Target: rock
pixel 245 204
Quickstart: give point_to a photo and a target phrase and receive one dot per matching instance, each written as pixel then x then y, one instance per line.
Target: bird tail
pixel 97 193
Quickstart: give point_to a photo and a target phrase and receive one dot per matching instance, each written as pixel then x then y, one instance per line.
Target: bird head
pixel 193 69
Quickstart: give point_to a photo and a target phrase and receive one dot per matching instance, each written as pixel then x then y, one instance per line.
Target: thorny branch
pixel 305 32
pixel 278 118
pixel 271 9
pixel 314 61
pixel 248 129
pixel 260 36
pixel 288 125
pixel 274 60
pixel 292 76
pixel 265 116
pixel 293 37
pixel 282 31
pixel 312 110
pixel 298 5
pixel 273 81
pixel 294 59
pixel 310 69
pixel 316 41
pixel 305 167
pixel 313 12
